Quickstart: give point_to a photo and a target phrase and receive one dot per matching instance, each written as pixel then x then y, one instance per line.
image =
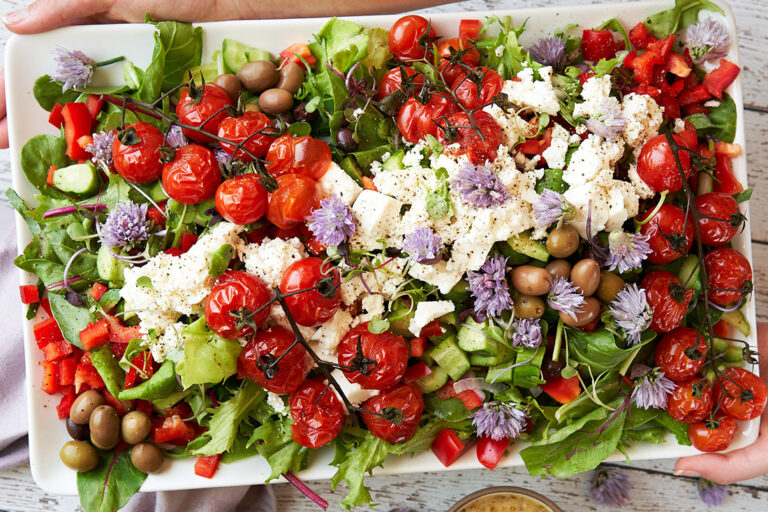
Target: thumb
pixel 45 15
pixel 727 468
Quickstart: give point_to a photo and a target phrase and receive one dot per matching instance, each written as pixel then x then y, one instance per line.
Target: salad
pixel 389 242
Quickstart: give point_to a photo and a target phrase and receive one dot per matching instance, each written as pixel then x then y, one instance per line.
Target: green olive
pixel 531 280
pixel 231 84
pixel 291 77
pixel 275 101
pixel 563 241
pixel 586 276
pixel 147 457
pixel 529 306
pixel 105 427
pixel 252 107
pixel 79 456
pixel 135 427
pixel 84 405
pixel 258 76
pixel 609 287
pixel 559 268
pixel 590 310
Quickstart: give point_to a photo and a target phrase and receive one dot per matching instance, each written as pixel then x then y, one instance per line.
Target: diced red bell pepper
pixel 725 181
pixel 77 122
pixel 67 368
pixel 95 335
pixel 50 377
pixel 122 334
pixel 172 428
pixel 529 147
pixel 696 94
pixel 583 77
pixel 46 331
pixel 638 36
pixel 470 398
pixel 49 177
pixel 116 404
pixel 146 407
pixel 674 89
pixel 447 447
pixel 469 29
pixel 144 363
pixel 94 102
pixel 29 294
pixel 416 371
pixel 688 136
pixel 187 241
pixel 695 108
pixel 562 390
pixel 418 346
pixel 721 77
pixel 155 215
pixel 86 374
pixel 597 44
pixel 728 149
pixel 65 404
pixel 629 59
pixel 302 50
pixel 643 66
pixel 671 106
pixel 97 291
pixel 57 350
pixel 433 328
pixel 118 349
pixel 174 251
pixel 648 90
pixel 206 466
pixel 46 305
pixel 662 46
pixel 677 65
pixel 490 451
pixel 55 117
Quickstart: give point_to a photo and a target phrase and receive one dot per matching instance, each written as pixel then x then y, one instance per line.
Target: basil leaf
pixel 109 487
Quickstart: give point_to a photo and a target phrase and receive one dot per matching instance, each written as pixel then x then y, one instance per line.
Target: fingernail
pixel 14 17
pixel 681 472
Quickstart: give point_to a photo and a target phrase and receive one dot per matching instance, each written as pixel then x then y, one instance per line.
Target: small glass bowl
pixel 505 490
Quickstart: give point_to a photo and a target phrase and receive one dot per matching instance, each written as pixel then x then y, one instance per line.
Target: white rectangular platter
pixel 28 57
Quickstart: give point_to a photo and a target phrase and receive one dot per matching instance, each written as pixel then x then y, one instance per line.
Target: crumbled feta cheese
pixel 594 154
pixel 277 318
pixel 641 188
pixel 558 148
pixel 437 275
pixel 406 184
pixel 427 311
pixel 511 124
pixel 373 305
pixel 269 259
pixel 277 403
pixel 413 156
pixel 594 92
pixel 337 181
pixel 679 126
pixel 499 50
pixel 328 336
pixel 644 117
pixel 354 393
pixel 540 95
pixel 375 214
pixel 167 342
pixel 712 104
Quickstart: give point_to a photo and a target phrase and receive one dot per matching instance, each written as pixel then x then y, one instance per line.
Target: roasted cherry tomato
pixel 405 35
pixel 712 436
pixel 681 353
pixel 714 206
pixel 597 44
pixel 729 274
pixel 205 108
pixel 381 360
pixel 134 152
pixel 193 175
pixel 691 401
pixel 740 393
pixel 467 91
pixel 310 307
pixel 667 298
pixel 236 292
pixel 242 199
pixel 238 129
pixel 415 120
pixel 656 164
pixel 298 155
pixel 405 405
pixel 669 222
pixel 458 129
pixel 453 71
pixel 317 414
pixel 393 80
pixel 295 198
pixel 266 360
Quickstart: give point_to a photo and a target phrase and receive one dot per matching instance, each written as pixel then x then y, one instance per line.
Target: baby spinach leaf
pixel 183 45
pixel 38 155
pixel 161 385
pixel 109 369
pixel 48 93
pixel 683 14
pixel 109 487
pixel 720 123
pixel 226 419
pixel 71 319
pixel 598 349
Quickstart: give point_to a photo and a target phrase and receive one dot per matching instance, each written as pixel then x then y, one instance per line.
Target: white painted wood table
pixel 655 488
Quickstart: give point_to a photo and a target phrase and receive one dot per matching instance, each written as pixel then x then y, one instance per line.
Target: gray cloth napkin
pixel 13 415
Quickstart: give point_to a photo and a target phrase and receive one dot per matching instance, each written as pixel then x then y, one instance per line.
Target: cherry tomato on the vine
pixel 393 80
pixel 236 291
pixel 263 351
pixel 467 91
pixel 238 129
pixel 740 393
pixel 656 164
pixel 480 146
pixel 667 298
pixel 730 275
pixel 295 198
pixel 691 401
pixel 405 35
pixel 134 153
pixel 192 176
pixel 310 307
pixel 452 71
pixel 317 414
pixel 298 155
pixel 670 222
pixel 204 109
pixel 712 437
pixel 416 121
pixel 242 199
pixel 681 353
pixel 406 403
pixel 714 206
pixel 386 354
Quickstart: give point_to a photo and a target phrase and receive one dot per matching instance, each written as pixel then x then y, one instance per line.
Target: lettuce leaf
pixel 273 442
pixel 341 43
pixel 508 62
pixel 160 386
pixel 208 358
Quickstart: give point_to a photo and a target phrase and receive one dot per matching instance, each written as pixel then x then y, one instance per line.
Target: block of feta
pixel 593 155
pixel 337 181
pixel 277 403
pixel 407 184
pixel 511 125
pixel 558 148
pixel 540 95
pixel 167 342
pixel 427 311
pixel 437 275
pixel 269 259
pixel 594 92
pixel 328 336
pixel 644 117
pixel 354 393
pixel 376 216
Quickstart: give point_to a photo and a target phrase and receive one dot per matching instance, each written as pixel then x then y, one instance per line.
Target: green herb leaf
pixel 48 93
pixel 108 368
pixel 598 349
pixel 208 358
pixel 38 155
pixel 161 385
pixel 378 325
pixel 743 196
pixel 145 281
pixel 720 123
pixel 220 259
pixel 109 487
pixel 300 129
pixel 71 319
pixel 683 14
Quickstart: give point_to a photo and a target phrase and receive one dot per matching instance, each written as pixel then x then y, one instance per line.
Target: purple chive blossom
pixel 332 223
pixel 631 312
pixel 527 332
pixel 610 486
pixel 711 494
pixel 651 388
pixel 499 420
pixel 609 122
pixel 626 251
pixel 707 40
pixel 551 207
pixel 489 287
pixel 222 156
pixel 564 296
pixel 176 139
pixel 422 245
pixel 125 225
pixel 549 51
pixel 480 187
pixel 73 69
pixel 101 148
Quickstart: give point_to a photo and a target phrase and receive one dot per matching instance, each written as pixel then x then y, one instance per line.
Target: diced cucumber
pixel 79 179
pixel 736 319
pixel 523 244
pixel 500 373
pixel 451 358
pixel 690 266
pixel 394 162
pixel 236 54
pixel 449 318
pixel 109 268
pixel 486 359
pixel 220 259
pixel 434 381
pixel 471 338
pixel 220 67
pixel 459 293
pixel 514 258
pixel 734 354
pixel 351 167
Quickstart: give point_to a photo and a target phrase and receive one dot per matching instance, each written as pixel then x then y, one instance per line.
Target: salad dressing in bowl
pixel 505 499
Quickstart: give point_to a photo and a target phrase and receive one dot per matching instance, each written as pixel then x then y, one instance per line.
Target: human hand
pixel 742 464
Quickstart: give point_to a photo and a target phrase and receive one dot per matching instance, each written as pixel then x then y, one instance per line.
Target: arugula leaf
pixel 368 453
pixel 683 14
pixel 48 93
pixel 720 123
pixel 226 419
pixel 38 155
pixel 161 385
pixel 108 368
pixel 680 430
pixel 208 358
pixel 109 487
pixel 342 43
pixel 509 61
